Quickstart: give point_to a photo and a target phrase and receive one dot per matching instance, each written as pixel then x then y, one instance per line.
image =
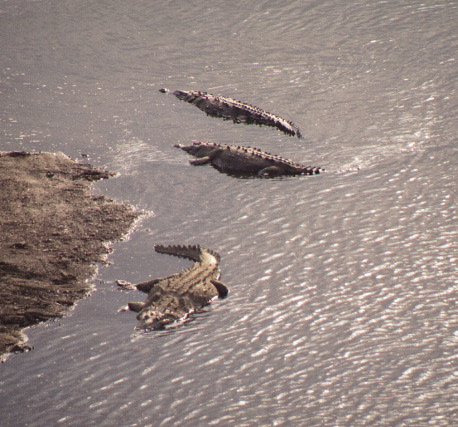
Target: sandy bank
pixel 52 232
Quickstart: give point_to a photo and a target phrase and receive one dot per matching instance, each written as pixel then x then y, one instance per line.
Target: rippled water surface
pixel 343 286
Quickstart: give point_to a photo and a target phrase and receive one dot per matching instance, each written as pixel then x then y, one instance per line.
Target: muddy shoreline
pixel 53 232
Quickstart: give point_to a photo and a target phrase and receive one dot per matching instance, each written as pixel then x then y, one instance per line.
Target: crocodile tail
pixel 193 253
pixel 214 253
pixel 286 126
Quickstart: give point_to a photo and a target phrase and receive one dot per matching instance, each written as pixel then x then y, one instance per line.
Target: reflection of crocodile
pixel 242 160
pixel 173 297
pixel 231 109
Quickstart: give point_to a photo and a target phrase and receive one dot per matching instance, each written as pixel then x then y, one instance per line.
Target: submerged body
pixel 174 297
pixel 244 160
pixel 237 111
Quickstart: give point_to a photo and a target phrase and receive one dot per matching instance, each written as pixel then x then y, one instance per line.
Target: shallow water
pixel 343 286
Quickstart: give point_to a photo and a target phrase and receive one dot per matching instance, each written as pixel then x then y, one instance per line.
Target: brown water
pixel 343 286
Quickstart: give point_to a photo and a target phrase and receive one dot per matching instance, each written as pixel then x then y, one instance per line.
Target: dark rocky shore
pixel 52 234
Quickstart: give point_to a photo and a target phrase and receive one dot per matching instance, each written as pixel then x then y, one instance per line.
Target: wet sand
pixel 53 232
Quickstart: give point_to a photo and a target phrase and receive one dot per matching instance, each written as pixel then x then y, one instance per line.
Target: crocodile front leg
pixel 201 161
pixel 136 306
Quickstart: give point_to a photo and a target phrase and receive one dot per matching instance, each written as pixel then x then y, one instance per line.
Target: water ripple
pixel 342 304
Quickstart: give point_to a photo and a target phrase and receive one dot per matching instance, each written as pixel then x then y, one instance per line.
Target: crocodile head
pixel 152 320
pixel 198 149
pixel 163 310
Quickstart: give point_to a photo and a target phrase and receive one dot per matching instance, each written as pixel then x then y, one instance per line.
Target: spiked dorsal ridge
pixel 192 252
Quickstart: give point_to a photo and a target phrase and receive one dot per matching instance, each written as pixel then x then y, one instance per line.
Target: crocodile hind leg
pixel 270 171
pixel 147 286
pixel 220 287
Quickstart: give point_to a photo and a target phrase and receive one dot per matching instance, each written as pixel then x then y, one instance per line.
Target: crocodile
pixel 237 111
pixel 173 298
pixel 243 160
